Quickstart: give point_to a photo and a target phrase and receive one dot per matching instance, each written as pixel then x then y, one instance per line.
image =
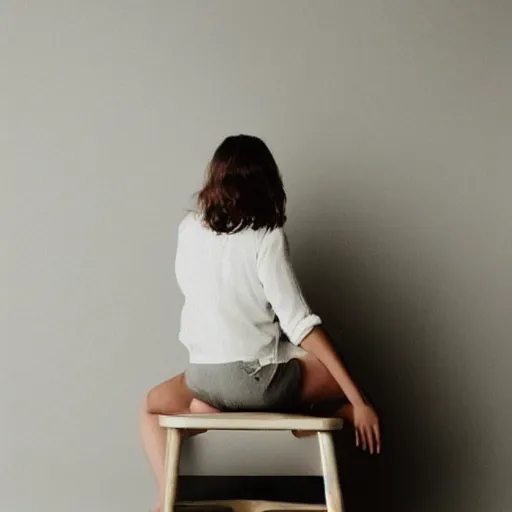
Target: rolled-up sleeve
pixel 282 289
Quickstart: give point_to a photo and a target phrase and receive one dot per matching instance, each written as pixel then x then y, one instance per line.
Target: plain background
pixel 391 122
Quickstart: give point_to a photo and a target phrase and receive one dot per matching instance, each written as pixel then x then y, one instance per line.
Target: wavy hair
pixel 243 187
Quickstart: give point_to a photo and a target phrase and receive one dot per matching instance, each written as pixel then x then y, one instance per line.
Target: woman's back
pixel 226 315
pixel 234 284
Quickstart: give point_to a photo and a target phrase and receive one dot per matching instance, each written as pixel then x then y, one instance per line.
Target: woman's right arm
pixel 283 292
pixel 302 327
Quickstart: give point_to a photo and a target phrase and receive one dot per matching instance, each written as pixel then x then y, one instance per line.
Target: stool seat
pixel 250 421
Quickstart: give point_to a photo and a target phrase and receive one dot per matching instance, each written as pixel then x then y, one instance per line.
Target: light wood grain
pixel 247 506
pixel 333 497
pixel 172 461
pixel 250 421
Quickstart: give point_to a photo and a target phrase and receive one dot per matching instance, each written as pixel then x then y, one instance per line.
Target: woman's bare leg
pixel 171 397
pixel 318 385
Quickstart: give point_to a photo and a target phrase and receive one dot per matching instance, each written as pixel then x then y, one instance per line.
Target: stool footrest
pixel 246 506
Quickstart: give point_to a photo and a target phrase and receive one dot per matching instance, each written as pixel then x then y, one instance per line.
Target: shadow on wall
pixel 376 285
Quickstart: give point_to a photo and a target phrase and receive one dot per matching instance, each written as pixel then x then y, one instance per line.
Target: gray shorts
pixel 247 386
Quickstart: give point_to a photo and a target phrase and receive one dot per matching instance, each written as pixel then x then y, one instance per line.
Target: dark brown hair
pixel 243 187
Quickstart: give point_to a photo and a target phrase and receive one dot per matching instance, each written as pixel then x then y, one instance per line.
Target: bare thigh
pixel 170 397
pixel 318 385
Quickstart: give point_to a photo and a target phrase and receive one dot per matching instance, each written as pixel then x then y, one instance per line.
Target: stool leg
pixel 172 461
pixel 333 498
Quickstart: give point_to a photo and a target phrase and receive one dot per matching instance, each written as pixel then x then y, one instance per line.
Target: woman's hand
pixel 366 424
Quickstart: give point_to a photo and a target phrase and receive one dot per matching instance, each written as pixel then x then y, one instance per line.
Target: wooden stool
pixel 323 427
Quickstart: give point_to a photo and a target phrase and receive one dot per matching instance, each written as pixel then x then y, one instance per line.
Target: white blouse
pixel 241 294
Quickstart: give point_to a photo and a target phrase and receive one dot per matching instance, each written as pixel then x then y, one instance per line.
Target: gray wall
pixel 392 124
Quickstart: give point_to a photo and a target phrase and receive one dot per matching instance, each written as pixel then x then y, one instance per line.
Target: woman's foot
pixel 199 407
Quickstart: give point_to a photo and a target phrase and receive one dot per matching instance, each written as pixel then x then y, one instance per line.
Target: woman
pixel 241 296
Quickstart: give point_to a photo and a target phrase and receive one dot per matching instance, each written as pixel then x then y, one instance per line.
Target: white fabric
pixel 240 291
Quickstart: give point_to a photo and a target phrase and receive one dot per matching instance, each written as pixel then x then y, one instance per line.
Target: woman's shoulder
pixel 190 217
pixel 272 239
